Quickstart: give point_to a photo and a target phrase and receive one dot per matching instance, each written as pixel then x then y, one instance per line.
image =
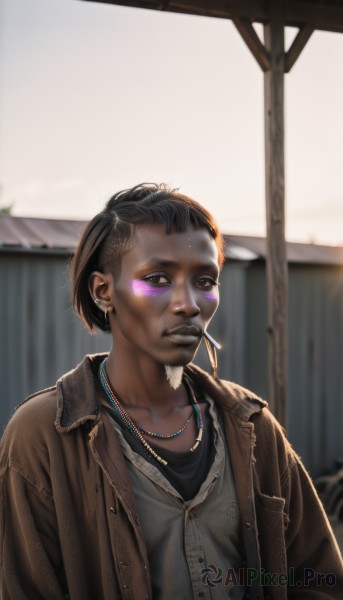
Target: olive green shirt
pixel 191 544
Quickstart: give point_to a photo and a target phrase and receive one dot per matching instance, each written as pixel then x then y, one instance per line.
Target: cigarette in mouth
pixel 210 339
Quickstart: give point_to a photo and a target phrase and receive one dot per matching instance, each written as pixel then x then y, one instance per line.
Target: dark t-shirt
pixel 186 471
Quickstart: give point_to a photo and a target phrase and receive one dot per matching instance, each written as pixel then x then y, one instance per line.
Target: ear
pixel 100 287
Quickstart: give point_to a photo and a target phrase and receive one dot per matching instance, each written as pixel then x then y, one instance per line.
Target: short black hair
pixel 109 234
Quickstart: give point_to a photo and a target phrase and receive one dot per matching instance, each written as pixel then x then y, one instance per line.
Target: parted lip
pixel 185 330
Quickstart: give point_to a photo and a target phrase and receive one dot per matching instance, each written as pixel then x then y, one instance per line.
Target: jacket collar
pixel 79 394
pixel 230 396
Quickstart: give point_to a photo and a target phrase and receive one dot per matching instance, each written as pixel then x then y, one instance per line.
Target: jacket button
pixel 247 525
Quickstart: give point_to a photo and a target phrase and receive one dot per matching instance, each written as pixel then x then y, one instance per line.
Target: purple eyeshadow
pixel 143 288
pixel 210 295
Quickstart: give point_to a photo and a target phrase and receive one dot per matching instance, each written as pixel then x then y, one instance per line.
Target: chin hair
pixel 174 376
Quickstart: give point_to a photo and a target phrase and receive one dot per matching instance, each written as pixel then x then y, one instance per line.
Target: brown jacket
pixel 69 528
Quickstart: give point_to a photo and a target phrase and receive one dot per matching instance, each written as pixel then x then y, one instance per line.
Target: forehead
pixel 151 242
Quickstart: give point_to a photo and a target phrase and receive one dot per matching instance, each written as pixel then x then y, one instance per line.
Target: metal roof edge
pixel 297 252
pixel 60 236
pixel 42 250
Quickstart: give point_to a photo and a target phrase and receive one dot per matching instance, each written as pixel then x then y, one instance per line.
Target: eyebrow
pixel 158 262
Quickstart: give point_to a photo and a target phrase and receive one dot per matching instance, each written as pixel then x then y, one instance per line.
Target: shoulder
pixel 242 406
pixel 28 433
pixel 230 396
pixel 36 411
pixel 273 455
pixel 246 402
pixel 255 410
pixel 267 428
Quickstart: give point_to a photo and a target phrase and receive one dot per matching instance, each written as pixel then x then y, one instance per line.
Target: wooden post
pixel 275 212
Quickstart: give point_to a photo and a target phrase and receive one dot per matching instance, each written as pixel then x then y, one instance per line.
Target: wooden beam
pixel 297 12
pixel 297 46
pixel 253 9
pixel 253 42
pixel 225 9
pixel 318 14
pixel 275 212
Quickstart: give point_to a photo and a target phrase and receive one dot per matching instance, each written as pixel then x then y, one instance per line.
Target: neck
pixel 142 384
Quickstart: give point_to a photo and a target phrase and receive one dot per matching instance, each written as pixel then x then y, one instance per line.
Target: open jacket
pixel 69 528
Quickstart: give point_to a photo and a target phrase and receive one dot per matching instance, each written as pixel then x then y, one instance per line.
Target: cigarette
pixel 210 339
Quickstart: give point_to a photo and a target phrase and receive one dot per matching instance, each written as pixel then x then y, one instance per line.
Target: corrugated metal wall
pixel 315 416
pixel 41 338
pixel 316 367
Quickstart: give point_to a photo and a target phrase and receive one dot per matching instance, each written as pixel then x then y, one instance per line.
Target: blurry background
pixel 97 97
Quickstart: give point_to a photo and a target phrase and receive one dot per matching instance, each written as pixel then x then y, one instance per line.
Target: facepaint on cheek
pixel 140 287
pixel 213 296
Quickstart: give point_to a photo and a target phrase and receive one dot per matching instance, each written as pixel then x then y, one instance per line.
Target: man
pixel 139 475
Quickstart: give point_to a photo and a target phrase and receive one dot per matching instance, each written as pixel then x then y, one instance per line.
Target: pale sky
pixel 95 98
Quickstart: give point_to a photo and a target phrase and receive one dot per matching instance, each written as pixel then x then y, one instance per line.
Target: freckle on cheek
pixel 143 288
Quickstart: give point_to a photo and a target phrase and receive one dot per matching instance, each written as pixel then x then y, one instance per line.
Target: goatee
pixel 174 376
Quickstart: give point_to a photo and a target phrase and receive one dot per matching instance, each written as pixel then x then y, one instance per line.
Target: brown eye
pixel 206 283
pixel 157 279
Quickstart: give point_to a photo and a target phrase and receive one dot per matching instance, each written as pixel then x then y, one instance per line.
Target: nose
pixel 184 301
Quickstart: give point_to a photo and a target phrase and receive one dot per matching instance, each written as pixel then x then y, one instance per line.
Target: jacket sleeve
pixel 30 561
pixel 294 535
pixel 314 560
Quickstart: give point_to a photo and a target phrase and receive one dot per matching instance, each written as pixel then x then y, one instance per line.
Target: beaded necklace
pixel 170 436
pixel 135 430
